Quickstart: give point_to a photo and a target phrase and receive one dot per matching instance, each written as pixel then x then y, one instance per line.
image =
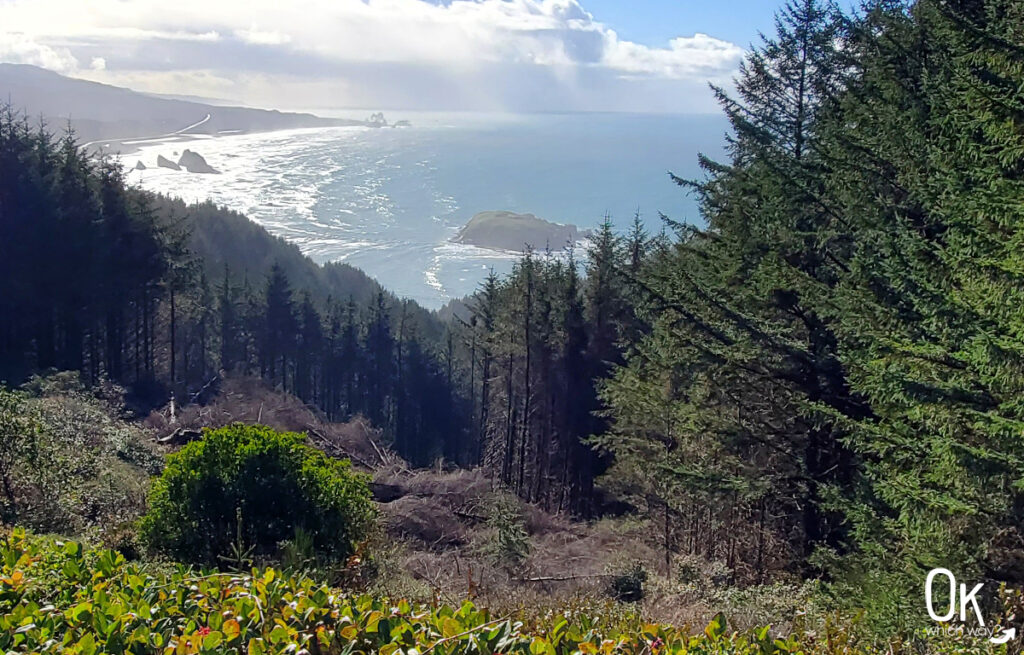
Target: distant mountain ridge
pixel 100 112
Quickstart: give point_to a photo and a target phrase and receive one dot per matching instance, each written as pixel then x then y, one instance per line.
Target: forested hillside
pixel 820 385
pixel 166 298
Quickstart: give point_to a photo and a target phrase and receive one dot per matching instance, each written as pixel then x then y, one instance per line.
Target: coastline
pixel 250 163
pixel 133 145
pixel 130 145
pixel 389 202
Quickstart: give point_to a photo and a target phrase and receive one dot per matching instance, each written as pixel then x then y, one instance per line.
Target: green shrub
pixel 69 462
pixel 253 485
pixel 627 586
pixel 19 432
pixel 509 544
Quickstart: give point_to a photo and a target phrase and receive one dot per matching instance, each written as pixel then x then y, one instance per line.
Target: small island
pixel 505 230
pixel 378 120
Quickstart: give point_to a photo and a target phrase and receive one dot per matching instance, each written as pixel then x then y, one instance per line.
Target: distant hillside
pixel 219 237
pixel 102 112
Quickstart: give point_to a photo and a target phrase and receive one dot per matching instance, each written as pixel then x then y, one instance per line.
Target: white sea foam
pixel 388 201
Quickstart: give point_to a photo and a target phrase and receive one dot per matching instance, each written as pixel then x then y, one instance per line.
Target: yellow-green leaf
pixel 212 640
pixel 450 627
pixel 231 629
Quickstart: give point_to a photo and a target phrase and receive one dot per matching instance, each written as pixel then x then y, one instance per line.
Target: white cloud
pixel 261 37
pixel 98 64
pixel 686 57
pixel 21 49
pixel 317 40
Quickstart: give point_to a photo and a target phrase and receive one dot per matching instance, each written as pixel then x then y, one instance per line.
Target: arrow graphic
pixel 1005 637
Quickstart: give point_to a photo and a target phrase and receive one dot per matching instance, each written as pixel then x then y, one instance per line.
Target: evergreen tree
pixel 380 351
pixel 280 328
pixel 309 352
pixel 928 313
pixel 232 349
pixel 351 360
pixel 726 390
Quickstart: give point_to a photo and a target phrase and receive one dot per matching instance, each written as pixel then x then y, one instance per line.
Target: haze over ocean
pixel 388 200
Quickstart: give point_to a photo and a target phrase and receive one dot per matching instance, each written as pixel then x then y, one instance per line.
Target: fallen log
pixel 180 436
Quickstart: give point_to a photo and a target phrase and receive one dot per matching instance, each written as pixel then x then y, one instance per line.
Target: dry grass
pixel 435 546
pixel 250 400
pixel 438 532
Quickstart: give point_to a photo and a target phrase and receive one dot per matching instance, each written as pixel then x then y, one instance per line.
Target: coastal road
pixel 190 127
pixel 150 138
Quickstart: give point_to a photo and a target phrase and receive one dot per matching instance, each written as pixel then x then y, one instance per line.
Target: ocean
pixel 388 201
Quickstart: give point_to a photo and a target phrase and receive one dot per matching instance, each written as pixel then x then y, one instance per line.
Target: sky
pixel 658 21
pixel 478 55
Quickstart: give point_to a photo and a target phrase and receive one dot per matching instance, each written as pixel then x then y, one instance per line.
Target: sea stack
pixel 193 162
pixel 504 230
pixel 164 162
pixel 139 166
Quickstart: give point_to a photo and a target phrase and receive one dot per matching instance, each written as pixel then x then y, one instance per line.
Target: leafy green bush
pixel 246 490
